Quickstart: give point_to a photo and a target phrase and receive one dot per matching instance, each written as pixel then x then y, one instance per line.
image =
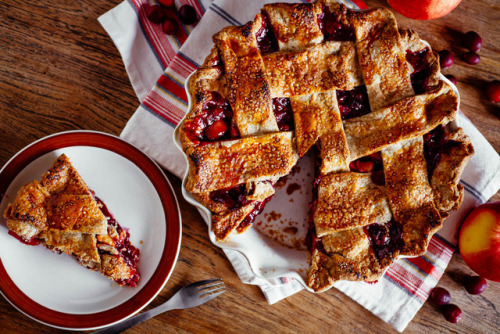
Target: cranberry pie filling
pixel 282 109
pixel 385 239
pixel 214 122
pixel 363 93
pixel 233 198
pixel 266 39
pixel 421 69
pixel 332 27
pixel 368 164
pixel 353 103
pixel 250 218
pixel 121 241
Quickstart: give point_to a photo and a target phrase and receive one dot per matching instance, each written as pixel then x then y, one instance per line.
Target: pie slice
pixel 64 215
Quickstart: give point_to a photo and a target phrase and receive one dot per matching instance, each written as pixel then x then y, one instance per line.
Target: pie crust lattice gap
pixel 367 94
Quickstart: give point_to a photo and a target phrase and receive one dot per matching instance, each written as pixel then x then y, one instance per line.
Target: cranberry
pixel 216 130
pixel 473 41
pixel 421 69
pixel 471 58
pixel 353 103
pixel 451 78
pixel 385 239
pixel 493 91
pixel 156 14
pixel 452 313
pixel 266 40
pixel 475 285
pixel 188 15
pixel 445 58
pixel 233 132
pixel 166 3
pixel 439 296
pixel 258 208
pixel 234 198
pixel 333 29
pixel 283 113
pixel 169 27
pixel 365 166
pixel 418 59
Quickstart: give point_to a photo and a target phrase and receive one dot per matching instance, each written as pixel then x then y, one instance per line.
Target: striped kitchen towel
pixel 158 65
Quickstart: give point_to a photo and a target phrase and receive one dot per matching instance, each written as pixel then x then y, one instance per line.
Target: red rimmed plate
pixel 53 289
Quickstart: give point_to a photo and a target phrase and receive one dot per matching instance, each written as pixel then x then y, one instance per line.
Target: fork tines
pixel 210 288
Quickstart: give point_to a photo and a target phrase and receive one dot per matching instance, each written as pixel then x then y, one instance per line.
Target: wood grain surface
pixel 60 71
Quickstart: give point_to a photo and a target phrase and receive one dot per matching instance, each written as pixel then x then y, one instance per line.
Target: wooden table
pixel 60 71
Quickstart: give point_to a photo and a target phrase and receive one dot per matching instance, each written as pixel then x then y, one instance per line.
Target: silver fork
pixel 191 295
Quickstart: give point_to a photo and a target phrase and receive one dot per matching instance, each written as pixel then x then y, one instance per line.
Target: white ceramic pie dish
pixel 286 212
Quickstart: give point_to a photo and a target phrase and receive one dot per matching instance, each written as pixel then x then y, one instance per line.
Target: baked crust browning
pixel 295 25
pixel 406 119
pixel 320 68
pixel 448 193
pixel 247 89
pixel 381 57
pixel 225 164
pixel 61 201
pixel 28 206
pixel 410 195
pixel 347 201
pixel 317 117
pixel 224 224
pixel 346 256
pixel 82 246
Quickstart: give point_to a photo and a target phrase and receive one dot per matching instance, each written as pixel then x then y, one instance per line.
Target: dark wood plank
pixel 60 71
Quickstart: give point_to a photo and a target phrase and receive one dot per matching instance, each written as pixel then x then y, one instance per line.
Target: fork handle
pixel 135 320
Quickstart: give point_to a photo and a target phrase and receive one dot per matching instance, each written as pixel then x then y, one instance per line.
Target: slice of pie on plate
pixel 63 214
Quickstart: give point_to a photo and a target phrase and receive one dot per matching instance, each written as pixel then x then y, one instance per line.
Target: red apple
pixel 479 240
pixel 423 9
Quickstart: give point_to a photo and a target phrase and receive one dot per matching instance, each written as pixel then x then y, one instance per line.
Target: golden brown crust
pixel 29 206
pixel 115 267
pixel 295 25
pixel 82 246
pixel 347 257
pixel 317 117
pixel 448 193
pixel 320 68
pixel 223 225
pixel 226 164
pixel 247 90
pixel 406 119
pixel 309 70
pixel 347 201
pixel 381 57
pixel 410 195
pixel 61 201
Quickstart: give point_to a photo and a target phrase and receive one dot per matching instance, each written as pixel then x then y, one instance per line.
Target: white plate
pixel 138 195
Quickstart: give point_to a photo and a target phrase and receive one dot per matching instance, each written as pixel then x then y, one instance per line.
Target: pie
pixel 363 94
pixel 64 215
